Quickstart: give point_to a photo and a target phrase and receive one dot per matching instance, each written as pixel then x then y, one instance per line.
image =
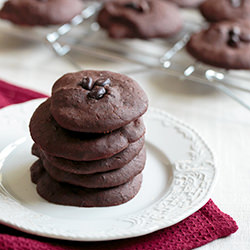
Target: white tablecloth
pixel 224 124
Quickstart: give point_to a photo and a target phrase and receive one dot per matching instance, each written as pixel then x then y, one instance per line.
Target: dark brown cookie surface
pixel 187 3
pixel 99 180
pixel 65 194
pixel 215 11
pixel 96 101
pixel 224 44
pixel 80 146
pixel 91 167
pixel 131 18
pixel 40 12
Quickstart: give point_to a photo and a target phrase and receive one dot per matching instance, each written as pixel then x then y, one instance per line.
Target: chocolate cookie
pixel 215 11
pixel 66 194
pixel 96 101
pixel 76 146
pixel 187 3
pixel 131 18
pixel 91 167
pixel 36 150
pixel 40 12
pixel 225 44
pixel 99 180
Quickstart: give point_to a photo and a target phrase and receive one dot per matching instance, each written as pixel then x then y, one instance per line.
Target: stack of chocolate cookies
pixel 89 138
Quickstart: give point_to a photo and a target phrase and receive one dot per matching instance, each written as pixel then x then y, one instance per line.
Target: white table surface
pixel 223 123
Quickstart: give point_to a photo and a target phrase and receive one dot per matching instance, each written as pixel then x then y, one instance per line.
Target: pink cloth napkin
pixel 202 227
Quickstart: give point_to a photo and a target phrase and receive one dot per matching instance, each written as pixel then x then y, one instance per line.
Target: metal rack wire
pixel 166 55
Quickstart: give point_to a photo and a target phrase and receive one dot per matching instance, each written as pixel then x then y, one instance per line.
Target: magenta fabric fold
pixel 202 227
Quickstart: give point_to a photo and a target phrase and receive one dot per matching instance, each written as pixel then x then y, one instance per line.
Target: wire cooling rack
pixel 84 36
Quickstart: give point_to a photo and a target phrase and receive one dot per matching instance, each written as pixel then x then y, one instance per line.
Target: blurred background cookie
pixel 214 10
pixel 40 12
pixel 224 44
pixel 140 18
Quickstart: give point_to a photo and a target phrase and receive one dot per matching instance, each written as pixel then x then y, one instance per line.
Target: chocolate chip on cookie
pixel 236 3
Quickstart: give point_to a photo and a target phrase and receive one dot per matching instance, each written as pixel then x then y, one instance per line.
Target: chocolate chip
pixel 140 7
pixel 234 37
pixel 245 37
pixel 234 41
pixel 87 83
pixel 145 6
pixel 97 93
pixel 133 6
pixel 102 82
pixel 234 31
pixel 236 3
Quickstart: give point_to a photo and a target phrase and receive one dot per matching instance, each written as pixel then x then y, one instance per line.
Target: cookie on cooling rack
pixel 40 12
pixel 140 18
pixel 224 44
pixel 214 10
pixel 187 3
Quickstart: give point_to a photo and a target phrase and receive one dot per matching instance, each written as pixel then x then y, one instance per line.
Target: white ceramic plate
pixel 178 178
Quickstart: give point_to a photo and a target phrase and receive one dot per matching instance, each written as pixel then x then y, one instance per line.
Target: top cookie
pixel 40 12
pixel 214 10
pixel 140 18
pixel 187 3
pixel 96 101
pixel 224 44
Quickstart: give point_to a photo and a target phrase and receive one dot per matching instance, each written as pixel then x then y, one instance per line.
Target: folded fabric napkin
pixel 11 94
pixel 202 227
